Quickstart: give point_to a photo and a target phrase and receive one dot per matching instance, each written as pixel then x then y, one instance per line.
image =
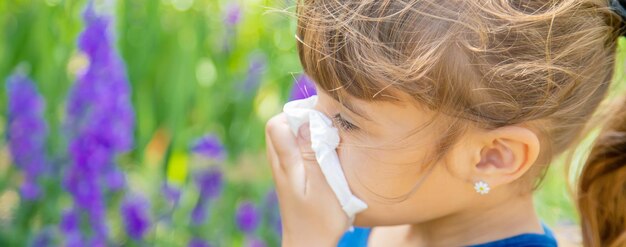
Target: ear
pixel 504 155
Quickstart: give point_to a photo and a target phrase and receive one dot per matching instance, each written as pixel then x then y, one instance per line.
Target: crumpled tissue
pixel 324 142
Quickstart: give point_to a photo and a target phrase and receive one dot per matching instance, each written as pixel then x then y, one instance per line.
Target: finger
pixel 304 144
pixel 286 148
pixel 284 142
pixel 272 157
pixel 285 183
pixel 316 183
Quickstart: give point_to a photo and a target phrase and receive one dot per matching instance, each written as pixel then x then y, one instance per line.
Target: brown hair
pixel 543 64
pixel 602 186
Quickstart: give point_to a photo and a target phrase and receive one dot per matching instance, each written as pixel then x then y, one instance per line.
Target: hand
pixel 310 212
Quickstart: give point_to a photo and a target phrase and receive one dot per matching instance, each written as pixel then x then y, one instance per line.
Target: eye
pixel 344 124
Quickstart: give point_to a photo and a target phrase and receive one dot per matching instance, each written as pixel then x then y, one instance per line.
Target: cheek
pixel 438 196
pixel 380 173
pixel 385 180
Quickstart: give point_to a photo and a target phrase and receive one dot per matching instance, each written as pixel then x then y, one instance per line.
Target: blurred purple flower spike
pixel 255 242
pixel 199 212
pixel 101 95
pixel 197 242
pixel 135 211
pixel 247 217
pixel 231 17
pixel 171 192
pixel 210 183
pixel 257 65
pixel 44 238
pixel 209 146
pixel 27 132
pixel 232 14
pixel 70 227
pixel 303 88
pixel 99 125
pixel 114 179
pixel 272 211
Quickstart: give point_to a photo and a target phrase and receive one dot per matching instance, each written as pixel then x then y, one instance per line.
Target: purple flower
pixel 255 242
pixel 303 88
pixel 44 238
pixel 197 242
pixel 114 179
pixel 27 132
pixel 135 211
pixel 210 183
pixel 70 227
pixel 209 146
pixel 99 102
pixel 171 193
pixel 199 212
pixel 256 67
pixel 257 64
pixel 30 188
pixel 69 221
pixel 232 15
pixel 272 211
pixel 247 217
pixel 100 125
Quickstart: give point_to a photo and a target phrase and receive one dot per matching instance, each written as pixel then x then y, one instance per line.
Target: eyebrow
pixel 353 108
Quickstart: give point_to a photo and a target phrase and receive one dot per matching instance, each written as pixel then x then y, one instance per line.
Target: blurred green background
pixel 191 73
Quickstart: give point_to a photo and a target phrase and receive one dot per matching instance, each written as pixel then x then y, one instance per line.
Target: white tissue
pixel 324 141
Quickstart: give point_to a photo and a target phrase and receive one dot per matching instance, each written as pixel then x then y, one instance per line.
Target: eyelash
pixel 344 124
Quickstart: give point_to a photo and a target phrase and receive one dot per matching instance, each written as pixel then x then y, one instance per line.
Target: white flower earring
pixel 481 187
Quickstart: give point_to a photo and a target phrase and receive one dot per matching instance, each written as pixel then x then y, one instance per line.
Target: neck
pixel 487 222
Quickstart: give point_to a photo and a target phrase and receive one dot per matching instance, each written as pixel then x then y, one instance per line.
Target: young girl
pixel 449 114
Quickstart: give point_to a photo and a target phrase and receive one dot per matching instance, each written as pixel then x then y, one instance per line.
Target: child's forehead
pixel 352 99
pixel 358 108
pixel 402 109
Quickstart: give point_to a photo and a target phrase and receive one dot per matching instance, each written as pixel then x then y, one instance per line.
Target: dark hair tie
pixel 619 6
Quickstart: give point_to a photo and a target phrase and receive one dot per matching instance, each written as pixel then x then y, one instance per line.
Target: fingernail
pixel 304 132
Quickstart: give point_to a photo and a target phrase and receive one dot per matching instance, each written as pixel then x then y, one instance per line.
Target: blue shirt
pixel 359 238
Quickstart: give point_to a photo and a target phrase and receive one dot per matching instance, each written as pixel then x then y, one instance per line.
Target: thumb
pixel 304 144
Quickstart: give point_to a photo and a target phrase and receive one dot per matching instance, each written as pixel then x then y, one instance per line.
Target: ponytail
pixel 602 186
pixel 601 193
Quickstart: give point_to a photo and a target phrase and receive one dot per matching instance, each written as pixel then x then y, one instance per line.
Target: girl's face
pixel 383 158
